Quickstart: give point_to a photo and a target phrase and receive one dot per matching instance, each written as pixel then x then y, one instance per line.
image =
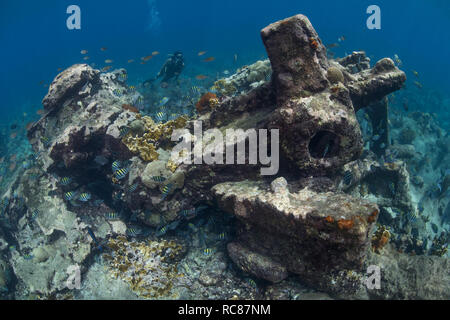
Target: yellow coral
pixel 224 87
pixel 172 166
pixel 154 133
pixel 143 265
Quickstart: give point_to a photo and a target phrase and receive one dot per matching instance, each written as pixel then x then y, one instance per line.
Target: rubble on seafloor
pixel 161 229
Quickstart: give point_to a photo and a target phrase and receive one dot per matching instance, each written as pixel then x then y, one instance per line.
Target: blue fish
pixel 85 197
pixel 161 116
pixel 166 190
pixel 34 214
pixel 69 195
pixel 163 101
pixel 158 179
pixel 133 231
pixel 124 131
pixel 132 188
pixel 112 216
pixel 121 173
pixel 117 92
pixel 348 177
pixel 28 256
pixel 116 165
pixel 207 251
pixel 65 181
pixel 94 238
pixel 123 77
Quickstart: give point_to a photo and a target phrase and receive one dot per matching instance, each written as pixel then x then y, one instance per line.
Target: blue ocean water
pixel 36 42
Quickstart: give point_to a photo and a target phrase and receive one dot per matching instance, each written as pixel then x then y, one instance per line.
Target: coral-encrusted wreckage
pixel 299 223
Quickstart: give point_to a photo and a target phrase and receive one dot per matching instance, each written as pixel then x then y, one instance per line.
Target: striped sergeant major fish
pixel 121 173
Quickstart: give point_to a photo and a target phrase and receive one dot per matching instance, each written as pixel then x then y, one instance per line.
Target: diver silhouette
pixel 172 68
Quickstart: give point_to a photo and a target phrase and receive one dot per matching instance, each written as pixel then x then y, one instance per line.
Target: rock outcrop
pixel 314 235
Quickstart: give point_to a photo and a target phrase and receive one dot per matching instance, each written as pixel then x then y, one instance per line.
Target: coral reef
pixel 148 267
pixel 160 226
pixel 245 79
pixel 207 102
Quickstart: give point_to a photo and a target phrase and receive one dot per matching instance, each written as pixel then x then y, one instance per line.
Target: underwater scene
pixel 225 150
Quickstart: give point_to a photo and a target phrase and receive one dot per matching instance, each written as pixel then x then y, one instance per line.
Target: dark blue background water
pixel 35 41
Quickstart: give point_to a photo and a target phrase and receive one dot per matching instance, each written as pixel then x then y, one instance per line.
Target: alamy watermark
pixel 373 280
pixel 212 147
pixel 74 20
pixel 374 20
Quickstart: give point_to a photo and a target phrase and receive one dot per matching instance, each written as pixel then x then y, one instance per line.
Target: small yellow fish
pixel 155 53
pixel 201 53
pixel 415 73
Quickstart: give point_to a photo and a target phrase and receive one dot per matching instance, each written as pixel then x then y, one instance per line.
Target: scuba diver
pixel 171 69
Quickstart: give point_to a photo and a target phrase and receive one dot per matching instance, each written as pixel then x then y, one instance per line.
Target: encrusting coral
pixel 380 238
pixel 148 267
pixel 207 102
pixel 154 133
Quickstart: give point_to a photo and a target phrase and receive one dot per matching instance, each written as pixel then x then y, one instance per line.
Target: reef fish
pixel 112 216
pixel 158 179
pixel 166 190
pixel 85 196
pixel 34 214
pixel 117 92
pixel 124 131
pixel 161 116
pixel 116 165
pixel 133 187
pixel 94 238
pixel 69 195
pixel 163 101
pixel 348 177
pixel 64 181
pixel 123 77
pixel 207 251
pixel 412 216
pixel 133 231
pixel 121 173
